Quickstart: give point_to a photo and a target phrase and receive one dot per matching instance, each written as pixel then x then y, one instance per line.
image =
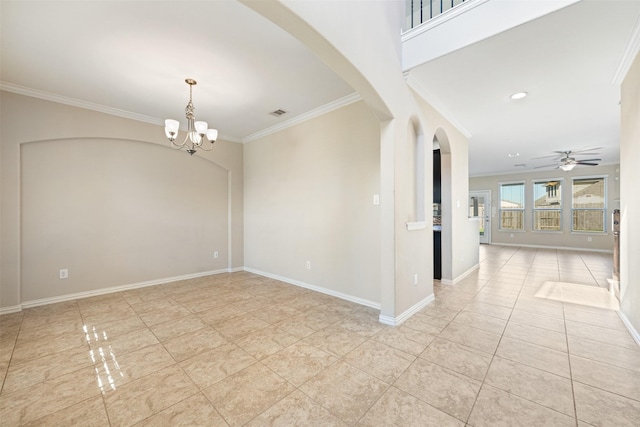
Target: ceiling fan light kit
pixel 567 162
pixel 197 131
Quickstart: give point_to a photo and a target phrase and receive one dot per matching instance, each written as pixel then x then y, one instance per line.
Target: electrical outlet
pixel 589 239
pixel 64 273
pixel 376 199
pixel 511 235
pixel 415 279
pixel 308 265
pixel 216 255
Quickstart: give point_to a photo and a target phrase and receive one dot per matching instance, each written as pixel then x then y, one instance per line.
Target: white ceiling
pixel 133 56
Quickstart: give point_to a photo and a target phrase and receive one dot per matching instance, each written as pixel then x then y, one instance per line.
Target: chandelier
pixel 197 132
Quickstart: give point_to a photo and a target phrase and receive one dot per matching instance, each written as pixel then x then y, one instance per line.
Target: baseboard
pixel 9 310
pixel 398 320
pixel 562 248
pixel 460 277
pixel 632 330
pixel 346 297
pixel 103 291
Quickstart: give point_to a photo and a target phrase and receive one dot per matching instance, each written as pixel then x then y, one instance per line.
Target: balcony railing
pixel 419 11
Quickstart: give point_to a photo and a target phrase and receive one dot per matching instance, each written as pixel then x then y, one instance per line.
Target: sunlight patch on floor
pixel 578 294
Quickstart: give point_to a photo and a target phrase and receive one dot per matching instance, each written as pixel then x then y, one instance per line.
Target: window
pixel 547 205
pixel 512 206
pixel 588 204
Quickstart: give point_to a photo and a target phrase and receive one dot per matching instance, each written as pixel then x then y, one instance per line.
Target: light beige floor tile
pixel 488 309
pixel 241 325
pixel 405 339
pixel 299 362
pixel 604 335
pixel 601 408
pixel 116 327
pixel 344 390
pixel 426 324
pixel 139 399
pixel 25 375
pixel 89 413
pixel 607 377
pixel 246 394
pixel 274 314
pixel 540 321
pixel 380 360
pixel 471 337
pixel 195 411
pixel 497 408
pixel 613 355
pixel 541 387
pixel 538 336
pixel 26 350
pixel 194 343
pixel 214 365
pixel 42 399
pixel 398 408
pixel 535 356
pixel 461 359
pixel 131 366
pixel 121 344
pixel 442 388
pixel 265 342
pixel 219 314
pixel 480 321
pixel 362 323
pixel 594 316
pixel 297 409
pixel 335 340
pixel 542 309
pixel 174 328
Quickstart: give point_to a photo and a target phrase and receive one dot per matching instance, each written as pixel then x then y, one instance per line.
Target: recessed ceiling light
pixel 512 155
pixel 518 95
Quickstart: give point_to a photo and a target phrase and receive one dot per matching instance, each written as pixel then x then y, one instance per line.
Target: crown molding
pixel 74 102
pixel 339 103
pixel 632 50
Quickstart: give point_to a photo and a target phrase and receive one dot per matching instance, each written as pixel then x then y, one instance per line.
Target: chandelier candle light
pixel 197 132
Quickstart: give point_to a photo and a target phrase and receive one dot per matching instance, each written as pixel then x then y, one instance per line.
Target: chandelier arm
pixel 204 149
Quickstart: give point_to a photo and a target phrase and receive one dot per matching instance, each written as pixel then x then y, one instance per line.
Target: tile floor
pixel 240 349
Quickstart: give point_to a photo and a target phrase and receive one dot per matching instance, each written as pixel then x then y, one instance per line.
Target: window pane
pixel 588 193
pixel 547 195
pixel 588 220
pixel 512 196
pixel 546 220
pixel 512 220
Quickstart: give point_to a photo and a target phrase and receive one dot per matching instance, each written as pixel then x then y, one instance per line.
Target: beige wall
pixel 630 197
pixel 566 238
pixel 308 197
pixel 106 198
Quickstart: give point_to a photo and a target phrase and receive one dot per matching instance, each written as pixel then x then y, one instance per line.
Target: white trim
pixel 632 330
pixel 441 18
pixel 460 277
pixel 103 291
pixel 629 55
pixel 338 103
pixel 326 291
pixel 74 102
pixel 398 320
pixel 8 310
pixel 563 248
pixel 419 225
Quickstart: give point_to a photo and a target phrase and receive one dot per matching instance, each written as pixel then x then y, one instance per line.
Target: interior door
pixel 480 207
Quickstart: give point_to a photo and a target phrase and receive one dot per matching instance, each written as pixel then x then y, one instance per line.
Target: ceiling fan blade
pixel 546 166
pixel 585 150
pixel 589 160
pixel 587 164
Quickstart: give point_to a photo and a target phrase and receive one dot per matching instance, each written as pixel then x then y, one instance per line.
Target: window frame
pixel 603 209
pixel 522 209
pixel 559 209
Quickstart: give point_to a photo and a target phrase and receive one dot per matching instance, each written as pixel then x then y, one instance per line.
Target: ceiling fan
pixel 567 160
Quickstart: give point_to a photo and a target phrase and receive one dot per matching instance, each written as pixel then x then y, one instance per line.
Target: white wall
pixel 106 198
pixel 308 197
pixel 630 197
